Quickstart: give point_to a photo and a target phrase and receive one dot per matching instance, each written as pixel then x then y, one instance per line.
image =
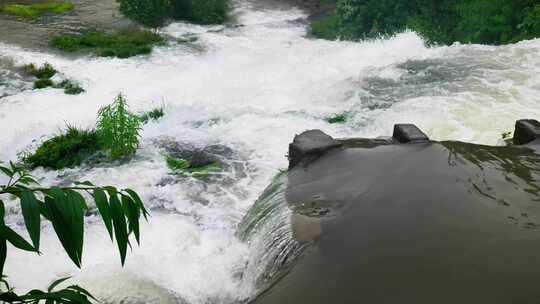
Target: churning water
pixel 249 87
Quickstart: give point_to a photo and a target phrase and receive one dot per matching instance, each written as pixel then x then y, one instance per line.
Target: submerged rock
pixel 414 223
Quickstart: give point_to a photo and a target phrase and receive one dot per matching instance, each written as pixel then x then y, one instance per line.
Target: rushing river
pixel 249 86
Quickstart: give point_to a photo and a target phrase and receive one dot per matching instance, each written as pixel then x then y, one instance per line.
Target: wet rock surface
pixel 421 220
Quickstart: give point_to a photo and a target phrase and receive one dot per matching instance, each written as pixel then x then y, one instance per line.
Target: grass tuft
pixel 70 87
pixel 47 71
pixel 154 114
pixel 37 9
pixel 68 149
pixel 43 83
pixel 122 44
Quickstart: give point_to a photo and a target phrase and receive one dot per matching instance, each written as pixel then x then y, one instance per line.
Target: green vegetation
pixel 118 129
pixel 184 167
pixel 150 13
pixel 43 83
pixel 68 149
pixel 44 75
pixel 70 87
pixel 36 9
pixel 325 27
pixel 153 13
pixel 65 208
pixel 122 44
pixel 338 118
pixel 117 133
pixel 201 11
pixel 45 72
pixel 154 114
pixel 439 21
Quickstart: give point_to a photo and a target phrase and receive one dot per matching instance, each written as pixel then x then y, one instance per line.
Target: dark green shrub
pixel 326 27
pixel 154 114
pixel 150 13
pixel 118 129
pixel 65 150
pixel 70 87
pixel 43 83
pixel 201 11
pixel 121 44
pixel 45 72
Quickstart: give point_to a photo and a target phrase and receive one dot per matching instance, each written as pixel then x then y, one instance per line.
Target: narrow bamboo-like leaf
pixel 15 239
pixel 138 201
pixel 56 283
pixel 77 206
pixel 82 291
pixel 85 183
pixel 6 171
pixel 57 207
pixel 3 245
pixel 119 223
pixel 132 211
pixel 104 209
pixel 31 214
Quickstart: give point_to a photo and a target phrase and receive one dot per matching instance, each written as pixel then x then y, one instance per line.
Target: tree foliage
pixel 118 128
pixel 439 21
pixel 150 13
pixel 65 209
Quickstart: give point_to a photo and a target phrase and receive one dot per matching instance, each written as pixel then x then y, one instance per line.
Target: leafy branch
pixel 65 208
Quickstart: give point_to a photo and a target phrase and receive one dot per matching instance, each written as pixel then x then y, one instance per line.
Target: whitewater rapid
pixel 250 87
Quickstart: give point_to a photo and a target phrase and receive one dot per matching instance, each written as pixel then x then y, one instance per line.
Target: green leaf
pixel 119 223
pixel 82 291
pixel 138 201
pixel 6 171
pixel 78 207
pixel 3 244
pixel 132 211
pixel 15 239
pixel 56 283
pixel 63 219
pixel 30 210
pixel 104 209
pixel 85 183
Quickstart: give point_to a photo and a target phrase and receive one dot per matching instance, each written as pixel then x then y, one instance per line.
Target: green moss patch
pixel 36 9
pixel 68 149
pixel 183 167
pixel 122 44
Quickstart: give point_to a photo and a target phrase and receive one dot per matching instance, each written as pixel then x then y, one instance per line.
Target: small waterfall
pixel 267 228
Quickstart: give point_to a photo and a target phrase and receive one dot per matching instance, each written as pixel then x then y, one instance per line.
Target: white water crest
pixel 250 88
